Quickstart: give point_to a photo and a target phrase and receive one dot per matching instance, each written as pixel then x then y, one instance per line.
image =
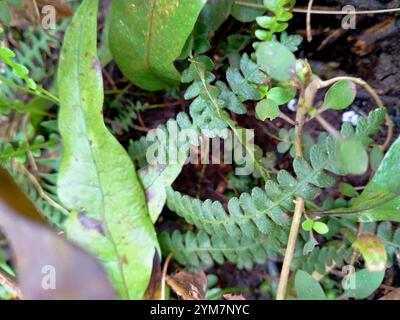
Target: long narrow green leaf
pixel 146 36
pixel 97 180
pixel 381 196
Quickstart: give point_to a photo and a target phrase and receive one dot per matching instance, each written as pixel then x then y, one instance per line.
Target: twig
pixel 333 12
pixel 299 208
pixel 286 118
pixel 327 126
pixel 308 20
pixel 164 275
pixel 10 285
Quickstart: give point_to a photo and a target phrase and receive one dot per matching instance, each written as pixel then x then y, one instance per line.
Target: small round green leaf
pixel 320 227
pixel 267 109
pixel 308 225
pixel 281 95
pixel 352 156
pixel 276 60
pixel 340 95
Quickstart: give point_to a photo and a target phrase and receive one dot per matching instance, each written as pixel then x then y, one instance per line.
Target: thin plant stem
pixel 298 212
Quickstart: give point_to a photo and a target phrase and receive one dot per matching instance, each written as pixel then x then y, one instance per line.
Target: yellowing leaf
pixel 97 180
pixel 373 251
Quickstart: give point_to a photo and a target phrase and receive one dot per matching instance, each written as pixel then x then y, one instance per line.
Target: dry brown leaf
pixel 394 295
pixel 153 291
pixel 188 286
pixel 48 266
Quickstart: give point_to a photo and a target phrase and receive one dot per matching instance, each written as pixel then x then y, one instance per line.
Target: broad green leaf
pixel 340 95
pixel 147 36
pixel 381 196
pixel 352 156
pixel 247 13
pixel 364 284
pixel 155 180
pixel 277 60
pixel 307 288
pixel 97 179
pixel 267 109
pixel 373 251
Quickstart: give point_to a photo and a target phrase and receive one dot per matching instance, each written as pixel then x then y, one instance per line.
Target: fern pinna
pixel 255 225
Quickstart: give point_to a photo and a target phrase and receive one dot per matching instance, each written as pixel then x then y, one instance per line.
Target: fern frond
pixel 160 139
pixel 31 53
pixel 333 254
pixel 10 150
pixel 201 250
pixel 366 127
pixel 264 212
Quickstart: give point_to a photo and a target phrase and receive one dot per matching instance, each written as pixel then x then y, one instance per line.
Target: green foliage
pixel 307 287
pixel 276 60
pixel 277 96
pixel 340 95
pixel 390 235
pixel 365 283
pixel 161 29
pixel 20 149
pixel 247 13
pixel 353 156
pixel 97 181
pixel 381 198
pixel 278 22
pixel 333 253
pixel 159 140
pixel 200 250
pixel 262 211
pixel 51 213
pixel 37 44
pixel 366 127
pixel 19 70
